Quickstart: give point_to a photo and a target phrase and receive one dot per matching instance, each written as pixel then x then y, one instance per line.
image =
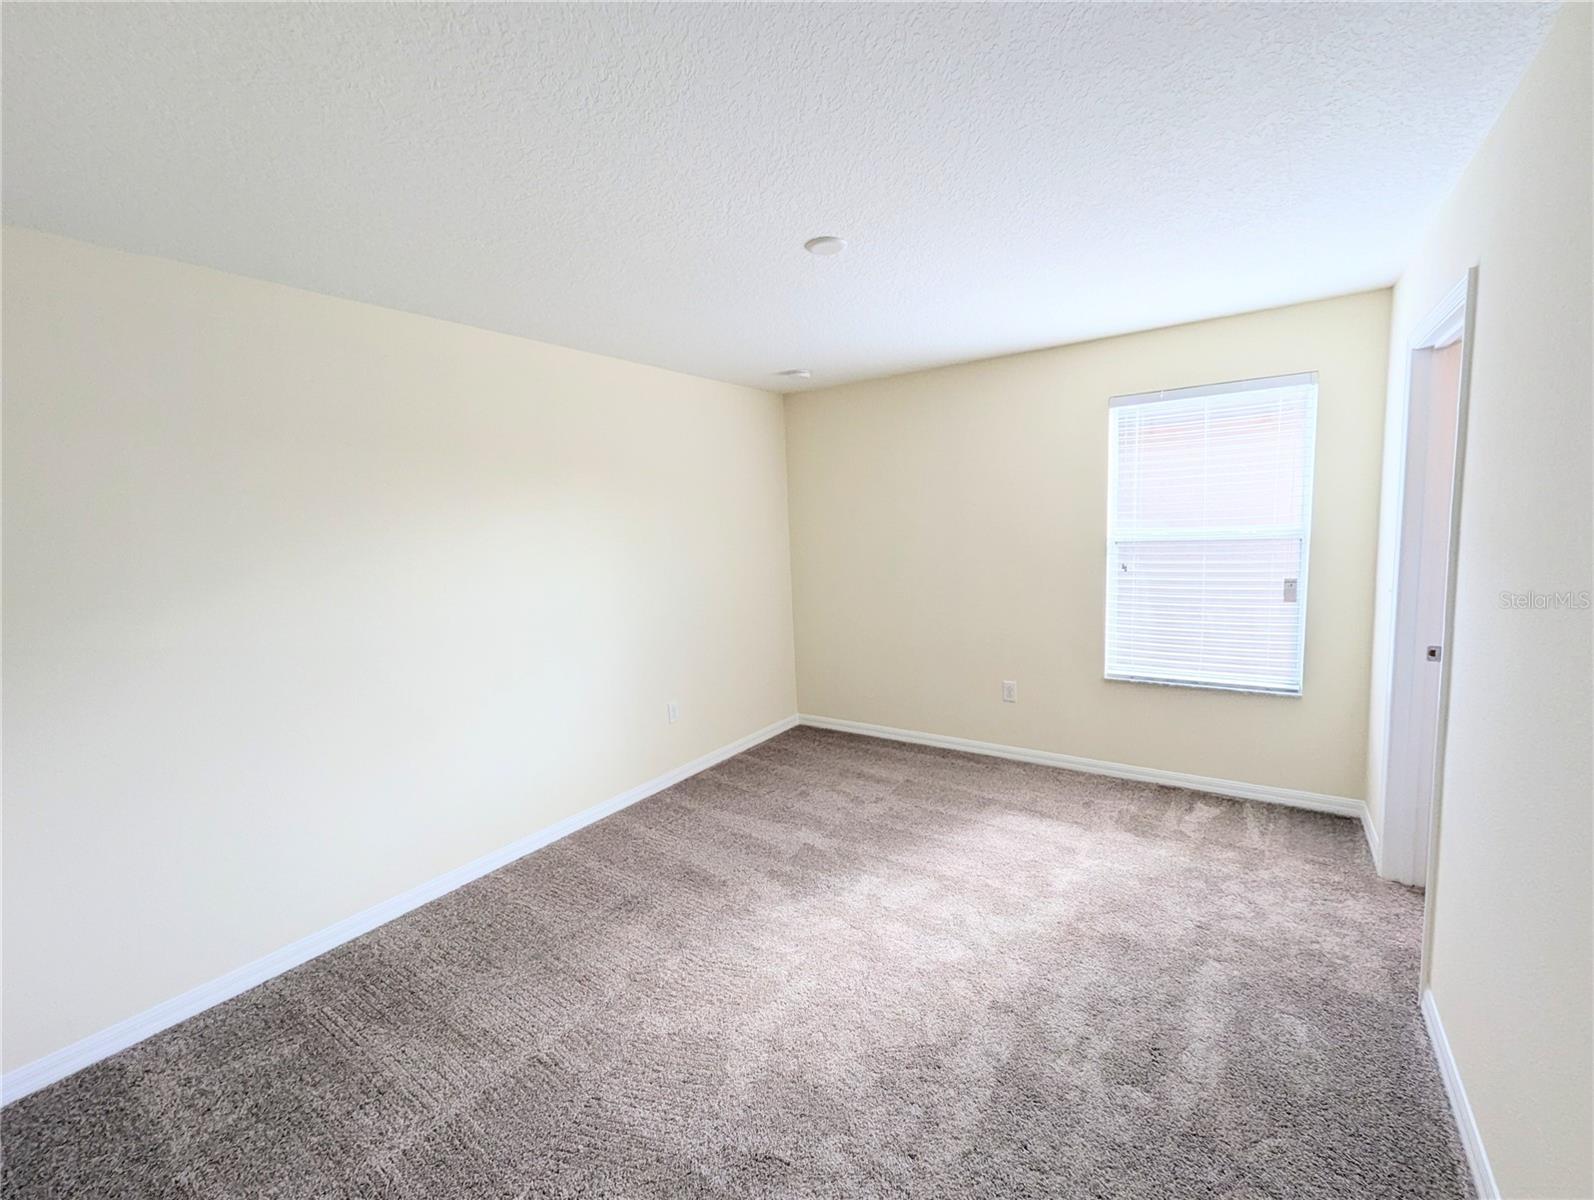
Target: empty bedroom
pixel 797 600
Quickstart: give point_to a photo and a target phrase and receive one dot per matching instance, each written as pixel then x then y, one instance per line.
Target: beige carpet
pixel 830 967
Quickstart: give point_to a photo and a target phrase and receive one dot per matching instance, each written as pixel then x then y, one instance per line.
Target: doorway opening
pixel 1438 381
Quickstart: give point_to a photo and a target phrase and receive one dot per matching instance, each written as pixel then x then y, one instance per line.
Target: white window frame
pixel 1303 530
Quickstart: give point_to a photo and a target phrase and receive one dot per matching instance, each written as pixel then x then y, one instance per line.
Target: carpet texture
pixel 829 967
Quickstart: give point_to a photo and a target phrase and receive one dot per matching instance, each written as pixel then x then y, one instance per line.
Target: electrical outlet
pixel 673 711
pixel 1009 691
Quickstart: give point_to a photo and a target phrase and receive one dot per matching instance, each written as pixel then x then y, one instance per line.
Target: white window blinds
pixel 1209 510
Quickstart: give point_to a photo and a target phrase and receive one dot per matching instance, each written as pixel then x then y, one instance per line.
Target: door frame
pixel 1401 856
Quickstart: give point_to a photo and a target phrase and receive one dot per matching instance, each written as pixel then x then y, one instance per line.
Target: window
pixel 1209 507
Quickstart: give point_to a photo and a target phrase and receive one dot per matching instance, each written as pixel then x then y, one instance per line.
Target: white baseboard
pixel 69 1059
pixel 1466 1124
pixel 1370 831
pixel 1344 806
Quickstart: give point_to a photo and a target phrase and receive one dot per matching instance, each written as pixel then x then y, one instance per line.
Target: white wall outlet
pixel 672 710
pixel 1009 691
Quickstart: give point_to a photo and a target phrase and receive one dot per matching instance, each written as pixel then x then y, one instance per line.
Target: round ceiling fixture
pixel 796 373
pixel 825 246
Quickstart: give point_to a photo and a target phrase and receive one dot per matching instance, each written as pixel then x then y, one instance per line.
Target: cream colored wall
pixel 308 601
pixel 948 532
pixel 1511 967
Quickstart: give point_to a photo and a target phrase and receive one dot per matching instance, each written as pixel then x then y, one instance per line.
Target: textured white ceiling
pixel 639 181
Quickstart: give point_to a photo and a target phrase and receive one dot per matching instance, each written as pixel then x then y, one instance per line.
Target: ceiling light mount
pixel 796 373
pixel 825 245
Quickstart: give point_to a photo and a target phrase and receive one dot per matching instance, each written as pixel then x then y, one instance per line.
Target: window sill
pixel 1203 686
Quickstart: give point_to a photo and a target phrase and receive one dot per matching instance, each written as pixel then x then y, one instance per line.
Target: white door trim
pixel 1402 847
